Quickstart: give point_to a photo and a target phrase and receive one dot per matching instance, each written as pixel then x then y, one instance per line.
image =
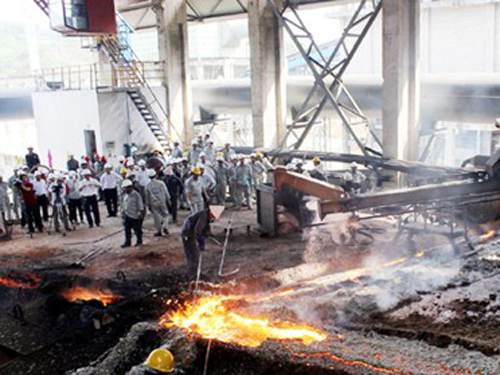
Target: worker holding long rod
pixel 194 230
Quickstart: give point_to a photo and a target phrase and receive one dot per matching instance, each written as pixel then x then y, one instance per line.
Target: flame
pixel 213 318
pixel 487 236
pixel 88 294
pixel 27 282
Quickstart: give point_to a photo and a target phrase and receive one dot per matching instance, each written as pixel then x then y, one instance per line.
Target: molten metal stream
pixel 214 318
pixel 30 282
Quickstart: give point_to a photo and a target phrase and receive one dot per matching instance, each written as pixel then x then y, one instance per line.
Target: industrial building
pixel 249 187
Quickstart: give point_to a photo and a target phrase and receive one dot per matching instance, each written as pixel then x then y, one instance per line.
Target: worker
pixel 318 172
pixel 89 188
pixel 110 181
pixel 298 167
pixel 75 199
pixel 185 173
pixel 29 204
pixel 132 213
pixel 194 154
pixel 353 179
pixel 159 361
pixel 157 200
pixel 120 165
pixel 16 197
pixel 207 176
pixel 58 201
pixel 258 171
pixel 222 179
pixel 210 152
pixel 194 230
pixel 72 164
pixel 196 193
pixel 232 178
pixel 243 186
pixel 206 139
pixel 42 195
pixel 177 151
pixel 173 179
pixel 32 159
pixel 5 213
pixel 228 152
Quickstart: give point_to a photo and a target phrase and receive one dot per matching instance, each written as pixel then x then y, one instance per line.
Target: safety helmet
pixel 127 183
pixel 38 173
pixel 253 156
pixel 121 158
pixel 86 172
pixel 202 155
pixel 259 154
pixel 123 170
pixel 60 177
pixel 316 160
pixel 141 163
pixel 220 154
pixel 108 166
pixel 220 158
pixel 161 360
pixel 196 171
pixel 354 164
pixel 151 172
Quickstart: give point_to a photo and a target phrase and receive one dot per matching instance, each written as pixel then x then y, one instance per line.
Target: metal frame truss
pixel 328 71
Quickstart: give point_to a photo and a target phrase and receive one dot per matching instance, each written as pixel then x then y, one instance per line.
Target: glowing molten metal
pixel 213 318
pixel 28 282
pixel 89 294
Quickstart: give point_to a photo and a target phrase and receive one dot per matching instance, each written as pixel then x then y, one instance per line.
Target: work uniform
pixel 209 182
pixel 194 156
pixel 195 228
pixel 210 154
pixel 194 192
pixel 42 199
pixel 258 173
pixel 353 180
pixel 90 192
pixel 133 213
pixel 232 182
pixel 75 200
pixel 222 178
pixel 16 197
pixel 157 198
pixel 4 206
pixel 142 179
pixel 110 182
pixel 174 185
pixel 243 185
pixel 177 152
pixel 72 165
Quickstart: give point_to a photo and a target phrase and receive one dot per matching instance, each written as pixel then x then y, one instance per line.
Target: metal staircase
pixel 128 73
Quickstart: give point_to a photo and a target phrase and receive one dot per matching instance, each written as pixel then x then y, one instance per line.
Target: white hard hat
pixel 141 163
pixel 202 155
pixel 220 158
pixel 354 164
pixel 348 177
pixel 121 158
pixel 207 134
pixel 169 171
pixel 51 176
pixel 127 183
pixel 38 173
pixel 151 172
pixel 108 166
pixel 86 172
pixel 497 122
pixel 60 176
pixel 253 155
pixel 22 173
pixel 184 159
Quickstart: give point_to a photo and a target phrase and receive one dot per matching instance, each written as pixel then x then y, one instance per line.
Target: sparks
pixel 27 282
pixel 213 318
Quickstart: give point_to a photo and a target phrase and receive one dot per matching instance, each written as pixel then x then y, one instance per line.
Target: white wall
pixel 61 118
pixel 15 137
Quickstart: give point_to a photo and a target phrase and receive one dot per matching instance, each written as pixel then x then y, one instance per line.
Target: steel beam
pixel 322 68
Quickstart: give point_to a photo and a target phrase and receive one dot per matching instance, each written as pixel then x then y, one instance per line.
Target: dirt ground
pixel 371 285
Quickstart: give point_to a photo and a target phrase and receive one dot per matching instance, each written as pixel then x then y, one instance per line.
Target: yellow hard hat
pixel 123 170
pixel 161 360
pixel 259 154
pixel 220 154
pixel 316 160
pixel 196 171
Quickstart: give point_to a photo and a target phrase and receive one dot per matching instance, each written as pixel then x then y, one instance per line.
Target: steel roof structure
pixel 140 14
